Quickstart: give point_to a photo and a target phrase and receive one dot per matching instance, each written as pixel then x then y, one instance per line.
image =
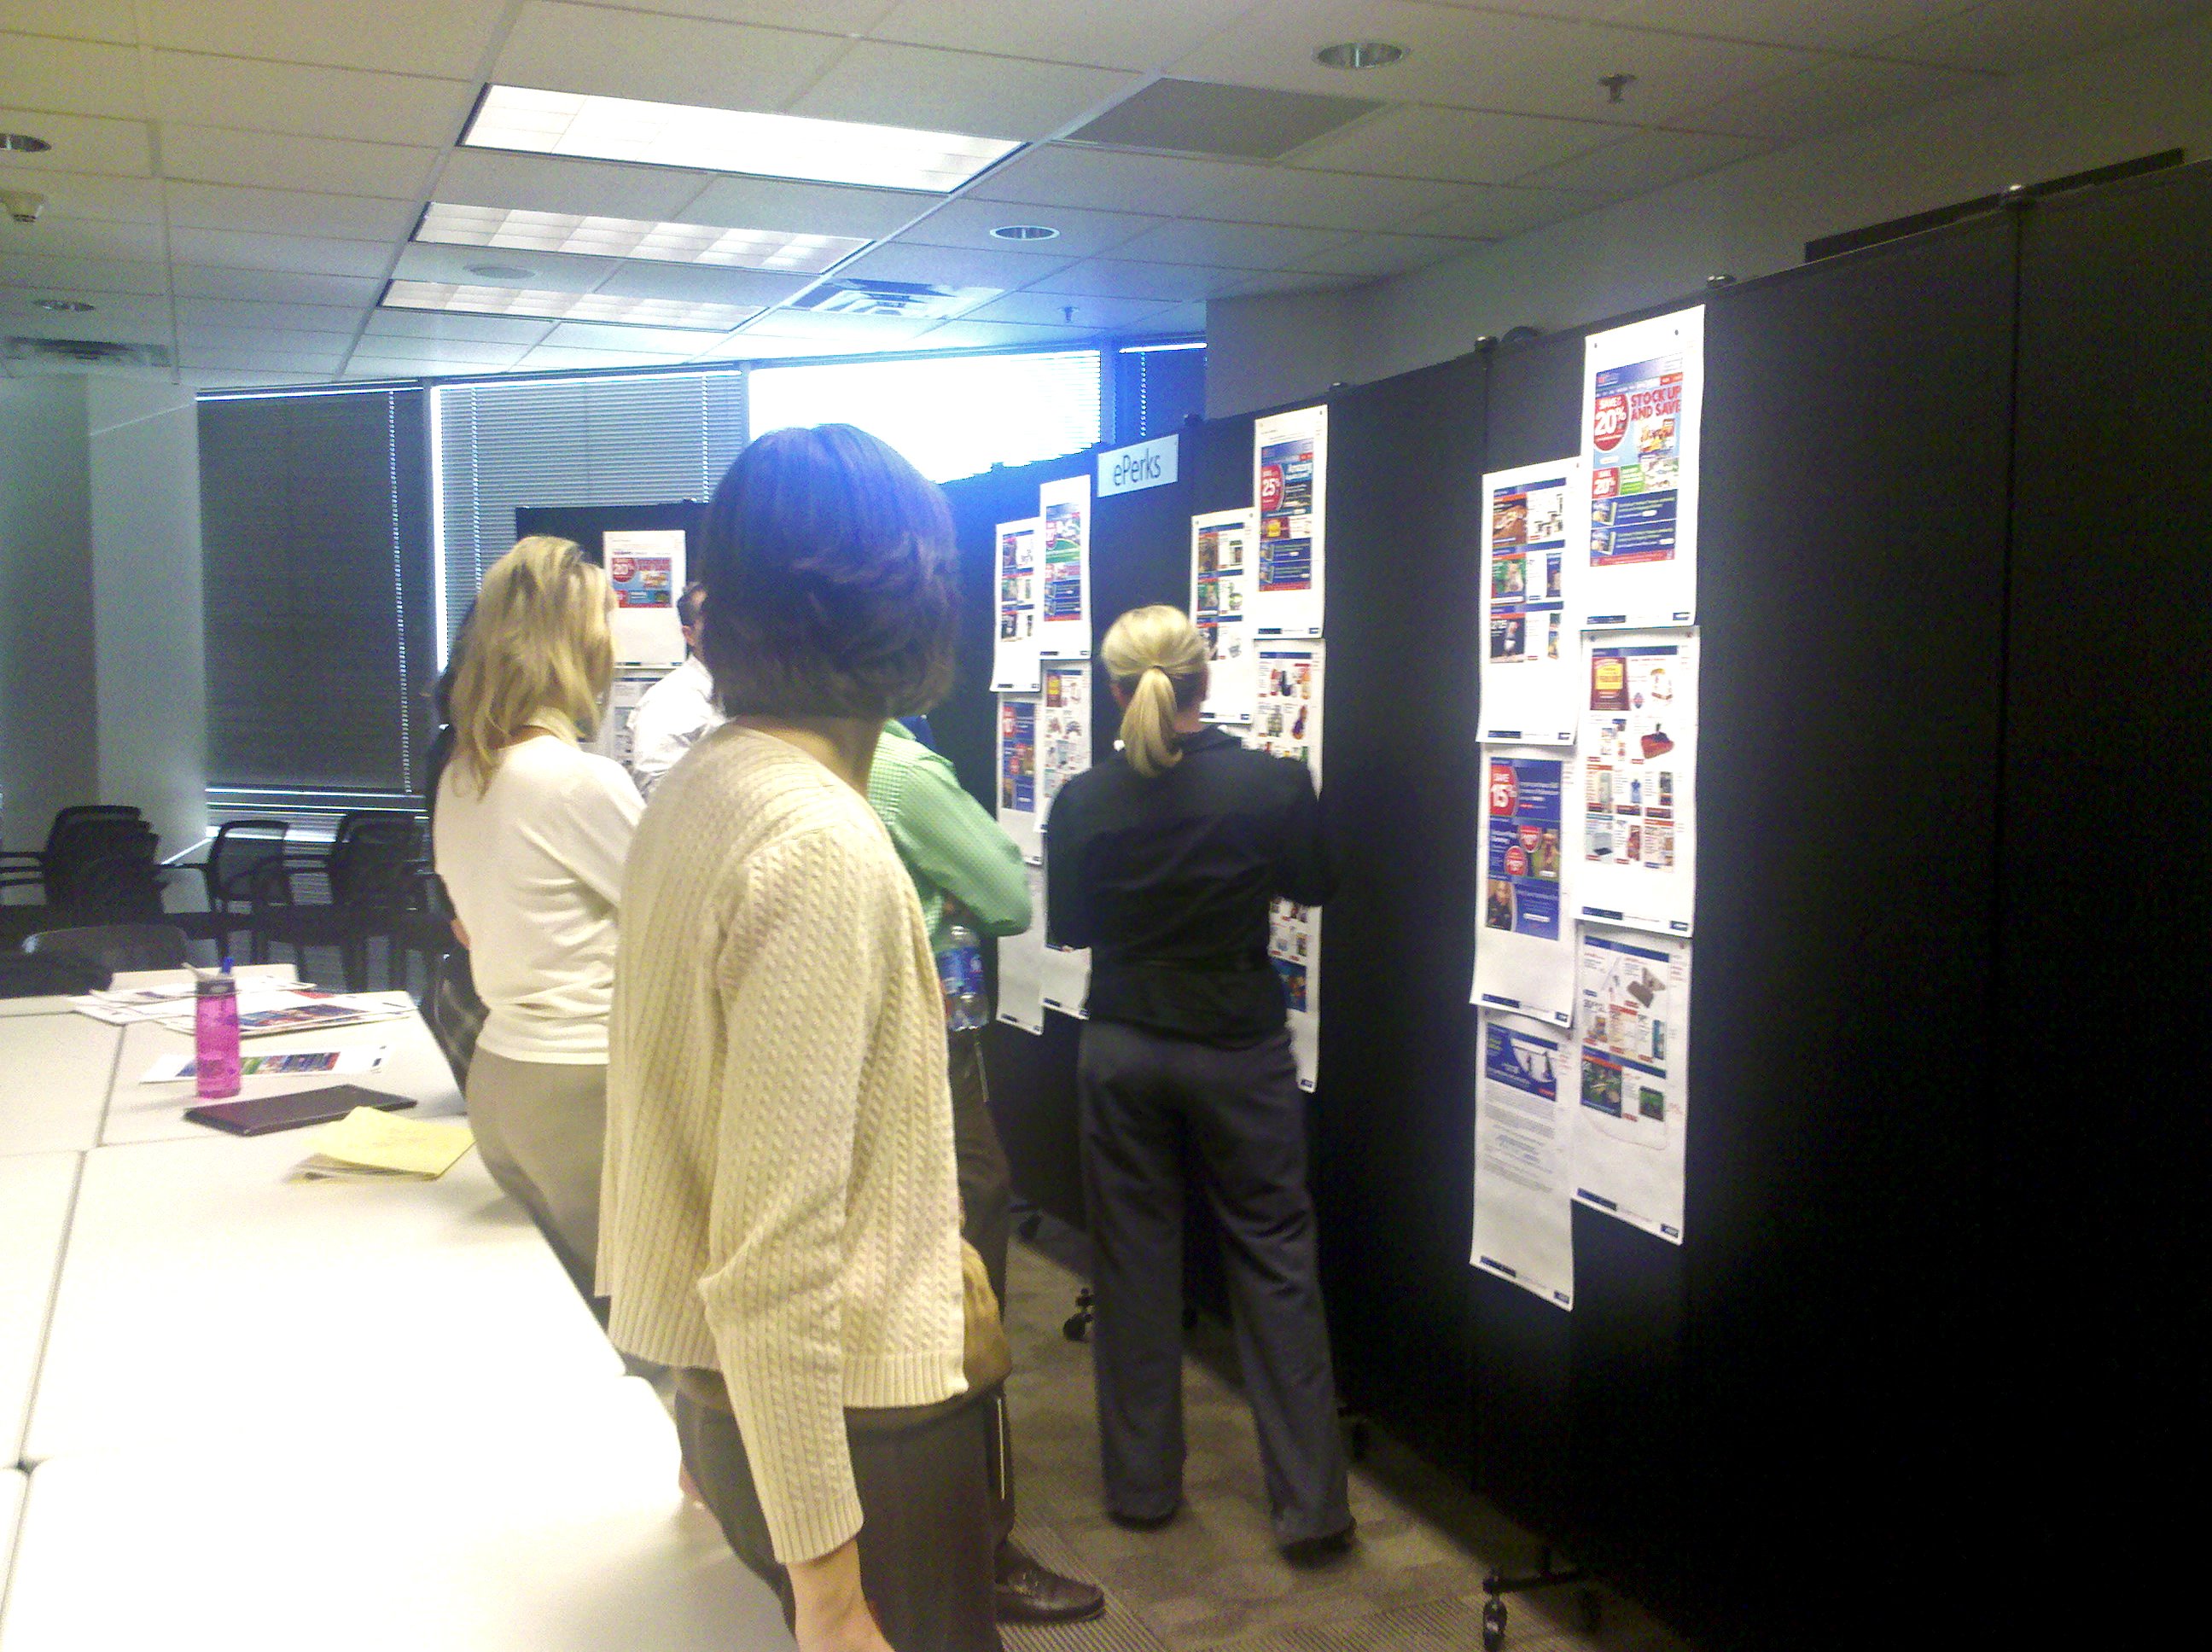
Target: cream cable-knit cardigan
pixel 780 1198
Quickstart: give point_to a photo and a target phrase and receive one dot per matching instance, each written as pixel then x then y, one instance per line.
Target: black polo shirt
pixel 1168 881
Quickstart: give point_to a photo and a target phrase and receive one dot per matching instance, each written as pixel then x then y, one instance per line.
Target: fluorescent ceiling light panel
pixel 729 140
pixel 565 306
pixel 635 238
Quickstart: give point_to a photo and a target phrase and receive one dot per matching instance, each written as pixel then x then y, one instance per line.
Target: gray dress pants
pixel 986 1218
pixel 542 1129
pixel 1242 1109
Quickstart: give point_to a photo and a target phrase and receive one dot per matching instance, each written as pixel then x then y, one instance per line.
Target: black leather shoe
pixel 1142 1522
pixel 1026 1593
pixel 1309 1552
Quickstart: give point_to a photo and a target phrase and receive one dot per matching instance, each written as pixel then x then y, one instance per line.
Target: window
pixel 1155 388
pixel 315 524
pixel 645 439
pixel 951 415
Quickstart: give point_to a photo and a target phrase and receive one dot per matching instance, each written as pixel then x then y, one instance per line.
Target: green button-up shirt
pixel 950 845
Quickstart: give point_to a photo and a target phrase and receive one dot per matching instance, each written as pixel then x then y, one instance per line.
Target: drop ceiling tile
pixel 967 335
pixel 1327 200
pixel 701 283
pixel 1648 161
pixel 1290 281
pixel 276 286
pixel 663 59
pixel 804 208
pixel 72 77
pixel 1103 179
pixel 267 97
pixel 112 329
pixel 1179 186
pixel 1496 214
pixel 547 358
pixel 1177 283
pixel 340 165
pixel 1237 246
pixel 77 20
pixel 230 249
pixel 82 142
pixel 262 360
pixel 1090 313
pixel 592 336
pixel 1826 24
pixel 234 378
pixel 89 195
pixel 288 212
pixel 952 266
pixel 1082 234
pixel 1139 35
pixel 1370 255
pixel 1460 145
pixel 822 16
pixel 878 331
pixel 82 275
pixel 555 272
pixel 83 238
pixel 1470 60
pixel 444 355
pixel 958 91
pixel 202 336
pixel 537 183
pixel 433 331
pixel 295 317
pixel 20 304
pixel 1832 98
pixel 2006 36
pixel 1176 320
pixel 751 346
pixel 405 37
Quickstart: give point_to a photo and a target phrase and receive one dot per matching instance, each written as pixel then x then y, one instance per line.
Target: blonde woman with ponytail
pixel 1163 860
pixel 531 836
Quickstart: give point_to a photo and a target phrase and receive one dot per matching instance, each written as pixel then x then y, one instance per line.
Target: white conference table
pixel 12 1483
pixel 36 1192
pixel 55 1068
pixel 513 1520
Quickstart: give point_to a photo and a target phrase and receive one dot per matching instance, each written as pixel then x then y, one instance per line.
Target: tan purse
pixel 985 1357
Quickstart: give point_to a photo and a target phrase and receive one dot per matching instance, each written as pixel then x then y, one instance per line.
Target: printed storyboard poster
pixel 1286 721
pixel 1018 771
pixel 1220 605
pixel 1290 486
pixel 1524 1217
pixel 1637 853
pixel 1015 652
pixel 1633 1028
pixel 1532 532
pixel 1063 722
pixel 1524 948
pixel 1064 562
pixel 1643 399
pixel 1021 963
pixel 645 568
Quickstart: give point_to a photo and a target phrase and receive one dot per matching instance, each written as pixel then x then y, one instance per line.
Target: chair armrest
pixel 31 857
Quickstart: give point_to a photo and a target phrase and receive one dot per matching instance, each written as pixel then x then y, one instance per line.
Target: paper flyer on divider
pixel 1220 605
pixel 1286 720
pixel 1019 815
pixel 1532 532
pixel 1064 568
pixel 1014 654
pixel 1021 962
pixel 1524 951
pixel 1636 850
pixel 1632 1027
pixel 1063 752
pixel 1524 1216
pixel 1290 488
pixel 645 570
pixel 1643 406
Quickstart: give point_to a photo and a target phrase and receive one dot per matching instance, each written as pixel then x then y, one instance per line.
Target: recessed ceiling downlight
pixel 1359 54
pixel 1026 232
pixel 63 305
pixel 23 143
pixel 501 272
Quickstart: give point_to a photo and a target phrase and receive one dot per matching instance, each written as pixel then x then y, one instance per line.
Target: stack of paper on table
pixel 369 1145
pixel 260 1010
pixel 365 1057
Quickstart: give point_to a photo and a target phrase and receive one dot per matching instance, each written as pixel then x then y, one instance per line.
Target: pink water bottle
pixel 215 1034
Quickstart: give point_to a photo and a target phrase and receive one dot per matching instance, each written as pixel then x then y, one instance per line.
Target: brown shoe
pixel 1027 1592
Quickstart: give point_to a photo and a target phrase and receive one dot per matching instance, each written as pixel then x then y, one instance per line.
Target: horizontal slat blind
pixel 573 442
pixel 316 561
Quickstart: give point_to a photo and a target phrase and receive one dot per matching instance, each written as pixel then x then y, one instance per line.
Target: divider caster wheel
pixel 1593 1605
pixel 1078 1327
pixel 1493 1624
pixel 1030 1226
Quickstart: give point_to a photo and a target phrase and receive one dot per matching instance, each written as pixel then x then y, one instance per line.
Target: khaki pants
pixel 542 1129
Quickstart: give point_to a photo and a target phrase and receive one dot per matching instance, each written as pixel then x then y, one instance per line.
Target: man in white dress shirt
pixel 675 712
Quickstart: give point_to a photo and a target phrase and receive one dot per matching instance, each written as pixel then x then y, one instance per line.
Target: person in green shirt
pixel 966 870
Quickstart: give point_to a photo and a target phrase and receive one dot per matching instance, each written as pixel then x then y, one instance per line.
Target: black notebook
pixel 293 1110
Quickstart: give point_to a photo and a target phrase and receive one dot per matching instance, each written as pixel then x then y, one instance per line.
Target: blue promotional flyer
pixel 1523 1207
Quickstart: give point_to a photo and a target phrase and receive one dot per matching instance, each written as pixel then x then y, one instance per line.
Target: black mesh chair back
pixel 118 889
pixel 50 974
pixel 100 862
pixel 240 847
pixel 76 812
pixel 455 1011
pixel 372 866
pixel 117 948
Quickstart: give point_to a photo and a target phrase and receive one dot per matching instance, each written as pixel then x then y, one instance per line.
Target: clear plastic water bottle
pixel 215 1034
pixel 960 971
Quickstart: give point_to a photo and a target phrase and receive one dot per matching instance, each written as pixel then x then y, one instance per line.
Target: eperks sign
pixel 1146 465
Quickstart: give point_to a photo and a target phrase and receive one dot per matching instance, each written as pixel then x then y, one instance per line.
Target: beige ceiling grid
pixel 235 181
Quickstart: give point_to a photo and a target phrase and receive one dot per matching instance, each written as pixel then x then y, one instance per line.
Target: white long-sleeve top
pixel 534 864
pixel 780 1201
pixel 670 718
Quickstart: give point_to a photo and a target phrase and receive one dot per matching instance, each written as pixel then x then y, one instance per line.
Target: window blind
pixel 320 638
pixel 639 440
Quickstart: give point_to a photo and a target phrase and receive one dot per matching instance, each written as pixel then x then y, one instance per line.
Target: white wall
pixel 1750 219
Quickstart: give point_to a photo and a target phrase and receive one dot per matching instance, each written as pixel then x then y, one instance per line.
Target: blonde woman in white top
pixel 531 836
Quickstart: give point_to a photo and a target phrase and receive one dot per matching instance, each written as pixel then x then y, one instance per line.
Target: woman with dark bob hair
pixel 782 1216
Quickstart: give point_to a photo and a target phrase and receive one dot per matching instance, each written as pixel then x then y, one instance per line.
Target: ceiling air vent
pixel 87 352
pixel 1199 118
pixel 862 296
